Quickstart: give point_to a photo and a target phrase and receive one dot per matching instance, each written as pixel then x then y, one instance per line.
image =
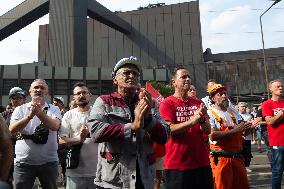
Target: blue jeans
pixel 277 166
pixel 25 175
pixel 80 183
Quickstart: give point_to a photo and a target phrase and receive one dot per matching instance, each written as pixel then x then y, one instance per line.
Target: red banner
pixel 154 93
pixel 159 149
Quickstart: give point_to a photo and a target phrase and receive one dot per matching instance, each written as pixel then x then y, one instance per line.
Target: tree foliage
pixel 164 89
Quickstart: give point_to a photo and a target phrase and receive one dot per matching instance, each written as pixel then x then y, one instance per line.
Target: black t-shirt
pixel 259 114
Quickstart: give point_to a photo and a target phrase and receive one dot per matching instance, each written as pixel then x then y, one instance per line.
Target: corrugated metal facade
pixel 161 37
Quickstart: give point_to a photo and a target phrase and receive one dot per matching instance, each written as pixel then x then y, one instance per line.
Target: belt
pixel 228 154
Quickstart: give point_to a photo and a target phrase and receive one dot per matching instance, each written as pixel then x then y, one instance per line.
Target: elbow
pixel 213 136
pixel 12 130
pixel 55 127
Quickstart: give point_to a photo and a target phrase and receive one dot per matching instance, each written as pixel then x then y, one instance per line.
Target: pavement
pixel 260 177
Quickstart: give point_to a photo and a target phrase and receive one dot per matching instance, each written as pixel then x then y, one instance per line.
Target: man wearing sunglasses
pixel 125 123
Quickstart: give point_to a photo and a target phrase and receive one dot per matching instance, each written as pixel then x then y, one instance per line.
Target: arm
pixel 198 117
pixel 157 127
pixel 65 130
pixel 6 149
pixel 17 126
pixel 100 128
pixel 19 121
pixel 48 121
pixel 206 128
pixel 182 127
pixel 274 120
pixel 216 134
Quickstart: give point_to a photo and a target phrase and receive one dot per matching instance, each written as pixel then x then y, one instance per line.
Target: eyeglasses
pixel 127 73
pixel 83 93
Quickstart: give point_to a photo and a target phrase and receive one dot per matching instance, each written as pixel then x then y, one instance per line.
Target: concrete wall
pixel 161 37
pixel 61 79
pixel 245 78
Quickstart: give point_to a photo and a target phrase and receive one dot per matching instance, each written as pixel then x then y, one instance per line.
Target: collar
pixel 123 98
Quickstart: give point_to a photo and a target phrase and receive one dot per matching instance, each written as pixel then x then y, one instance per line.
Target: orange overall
pixel 228 172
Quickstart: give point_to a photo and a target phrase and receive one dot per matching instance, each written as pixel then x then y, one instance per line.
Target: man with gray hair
pixel 125 124
pixel 35 125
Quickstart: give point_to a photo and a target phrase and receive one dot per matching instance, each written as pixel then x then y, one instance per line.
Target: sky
pixel 227 26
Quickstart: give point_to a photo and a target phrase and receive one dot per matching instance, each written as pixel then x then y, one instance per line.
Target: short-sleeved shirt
pixel 226 116
pixel 187 150
pixel 72 122
pixel 26 150
pixel 247 117
pixel 275 132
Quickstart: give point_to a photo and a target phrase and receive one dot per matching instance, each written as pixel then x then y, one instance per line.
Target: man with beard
pixel 36 124
pixel 186 161
pixel 226 142
pixel 273 111
pixel 74 132
pixel 125 125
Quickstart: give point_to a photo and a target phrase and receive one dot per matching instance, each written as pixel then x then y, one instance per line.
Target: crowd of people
pixel 112 144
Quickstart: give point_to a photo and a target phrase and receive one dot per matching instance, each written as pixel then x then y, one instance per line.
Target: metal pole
pixel 263 49
pixel 264 62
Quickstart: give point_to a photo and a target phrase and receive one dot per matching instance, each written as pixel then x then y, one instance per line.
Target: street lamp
pixel 263 50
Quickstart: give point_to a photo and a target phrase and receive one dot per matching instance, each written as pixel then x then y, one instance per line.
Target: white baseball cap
pixel 131 60
pixel 59 98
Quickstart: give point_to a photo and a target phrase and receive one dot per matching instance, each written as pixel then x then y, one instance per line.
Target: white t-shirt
pixel 226 116
pixel 247 117
pixel 70 127
pixel 208 103
pixel 26 150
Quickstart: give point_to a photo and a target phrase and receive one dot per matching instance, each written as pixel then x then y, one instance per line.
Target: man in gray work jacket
pixel 125 124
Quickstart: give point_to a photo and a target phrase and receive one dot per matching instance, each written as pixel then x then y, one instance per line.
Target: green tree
pixel 164 89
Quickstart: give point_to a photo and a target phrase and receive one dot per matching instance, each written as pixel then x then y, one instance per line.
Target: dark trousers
pixel 25 175
pixel 187 179
pixel 247 152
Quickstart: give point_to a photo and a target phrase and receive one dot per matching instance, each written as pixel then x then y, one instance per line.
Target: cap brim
pixel 223 88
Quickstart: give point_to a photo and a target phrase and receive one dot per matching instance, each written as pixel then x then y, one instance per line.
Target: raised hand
pixel 140 111
pixel 84 131
pixel 145 95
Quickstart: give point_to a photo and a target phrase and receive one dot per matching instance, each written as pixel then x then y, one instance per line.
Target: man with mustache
pixel 186 161
pixel 125 124
pixel 273 111
pixel 75 131
pixel 35 125
pixel 226 142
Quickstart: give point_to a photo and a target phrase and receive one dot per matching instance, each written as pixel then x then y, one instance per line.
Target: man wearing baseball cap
pixel 226 142
pixel 124 126
pixel 59 102
pixel 17 97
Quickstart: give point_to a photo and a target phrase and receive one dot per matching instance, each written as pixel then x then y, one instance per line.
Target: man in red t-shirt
pixel 273 111
pixel 186 161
